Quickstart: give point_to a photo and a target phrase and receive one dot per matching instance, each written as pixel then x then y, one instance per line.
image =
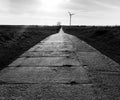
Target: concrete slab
pixel 45 74
pixel 97 61
pixel 69 54
pixel 54 48
pixel 45 61
pixel 48 91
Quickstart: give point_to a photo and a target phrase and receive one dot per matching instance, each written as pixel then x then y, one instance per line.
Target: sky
pixel 50 12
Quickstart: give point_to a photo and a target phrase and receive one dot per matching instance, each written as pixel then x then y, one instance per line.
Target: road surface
pixel 61 67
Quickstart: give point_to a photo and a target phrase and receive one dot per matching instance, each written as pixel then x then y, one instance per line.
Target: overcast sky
pixel 49 12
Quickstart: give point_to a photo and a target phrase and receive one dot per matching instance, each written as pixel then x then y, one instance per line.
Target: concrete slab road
pixel 61 67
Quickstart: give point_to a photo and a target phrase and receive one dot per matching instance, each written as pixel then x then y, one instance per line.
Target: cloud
pixel 4 6
pixel 108 4
pixel 19 6
pixel 93 5
pixel 32 6
pixel 24 6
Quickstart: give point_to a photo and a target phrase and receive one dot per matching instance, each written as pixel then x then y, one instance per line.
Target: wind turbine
pixel 70 14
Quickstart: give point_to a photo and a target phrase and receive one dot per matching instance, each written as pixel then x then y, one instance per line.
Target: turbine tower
pixel 70 14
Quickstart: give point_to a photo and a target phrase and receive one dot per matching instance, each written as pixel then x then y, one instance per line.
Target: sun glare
pixel 52 5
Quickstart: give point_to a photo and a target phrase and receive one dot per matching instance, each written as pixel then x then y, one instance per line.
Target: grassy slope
pixel 14 40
